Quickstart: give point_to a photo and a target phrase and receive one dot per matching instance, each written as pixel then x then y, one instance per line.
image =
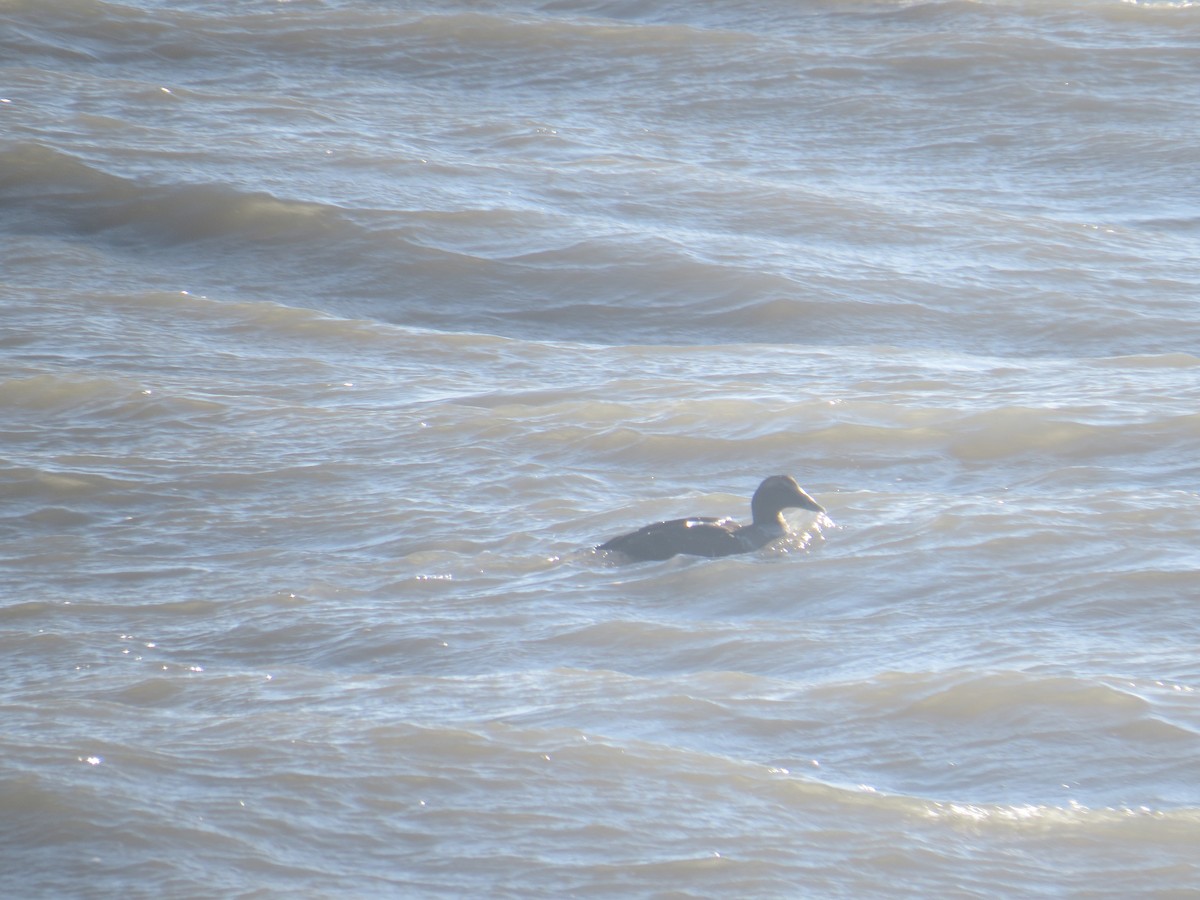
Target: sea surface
pixel 335 335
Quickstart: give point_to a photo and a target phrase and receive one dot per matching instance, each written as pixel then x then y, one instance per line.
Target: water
pixel 335 334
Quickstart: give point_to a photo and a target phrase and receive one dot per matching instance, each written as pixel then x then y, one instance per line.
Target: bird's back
pixel 695 536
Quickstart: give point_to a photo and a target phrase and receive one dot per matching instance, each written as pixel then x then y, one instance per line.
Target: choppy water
pixel 334 334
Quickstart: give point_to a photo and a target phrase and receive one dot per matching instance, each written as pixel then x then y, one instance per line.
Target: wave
pixel 469 45
pixel 49 188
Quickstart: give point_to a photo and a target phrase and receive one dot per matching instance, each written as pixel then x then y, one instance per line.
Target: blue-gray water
pixel 335 333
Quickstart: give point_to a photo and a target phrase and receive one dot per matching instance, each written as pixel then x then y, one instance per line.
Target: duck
pixel 714 537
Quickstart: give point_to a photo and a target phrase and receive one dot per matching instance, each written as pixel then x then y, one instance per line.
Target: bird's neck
pixel 770 523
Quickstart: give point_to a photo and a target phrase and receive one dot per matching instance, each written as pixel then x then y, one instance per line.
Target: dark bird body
pixel 707 536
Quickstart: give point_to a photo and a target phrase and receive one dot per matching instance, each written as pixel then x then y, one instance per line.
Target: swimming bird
pixel 705 536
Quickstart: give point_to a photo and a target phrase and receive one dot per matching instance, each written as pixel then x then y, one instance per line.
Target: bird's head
pixel 777 493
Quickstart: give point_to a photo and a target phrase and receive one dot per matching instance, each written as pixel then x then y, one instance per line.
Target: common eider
pixel 706 536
